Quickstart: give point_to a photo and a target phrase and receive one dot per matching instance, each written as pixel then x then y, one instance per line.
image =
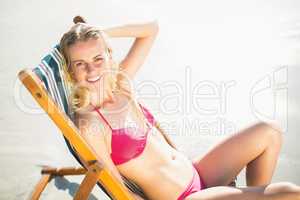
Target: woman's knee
pixel 273 133
pixel 282 187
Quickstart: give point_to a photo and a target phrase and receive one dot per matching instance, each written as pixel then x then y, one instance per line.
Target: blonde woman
pixel 127 138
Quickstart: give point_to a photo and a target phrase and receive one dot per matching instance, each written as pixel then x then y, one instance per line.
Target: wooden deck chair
pixel 48 86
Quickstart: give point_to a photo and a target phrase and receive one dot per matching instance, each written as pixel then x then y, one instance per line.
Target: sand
pixel 218 42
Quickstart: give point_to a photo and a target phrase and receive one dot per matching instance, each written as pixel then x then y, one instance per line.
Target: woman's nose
pixel 90 67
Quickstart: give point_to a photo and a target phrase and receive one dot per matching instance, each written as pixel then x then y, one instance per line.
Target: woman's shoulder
pixel 85 117
pixel 90 122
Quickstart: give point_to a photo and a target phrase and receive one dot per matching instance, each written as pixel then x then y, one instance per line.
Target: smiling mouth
pixel 94 79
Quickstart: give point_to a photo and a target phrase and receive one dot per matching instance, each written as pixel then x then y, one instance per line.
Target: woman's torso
pixel 160 170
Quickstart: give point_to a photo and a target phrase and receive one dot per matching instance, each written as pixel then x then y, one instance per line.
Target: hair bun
pixel 78 19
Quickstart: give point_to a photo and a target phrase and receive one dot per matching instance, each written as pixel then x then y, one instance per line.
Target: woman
pixel 102 99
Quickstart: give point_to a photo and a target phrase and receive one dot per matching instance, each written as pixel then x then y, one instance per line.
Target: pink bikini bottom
pixel 195 185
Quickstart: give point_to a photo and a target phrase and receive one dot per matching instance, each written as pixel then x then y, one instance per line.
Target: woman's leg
pixel 256 147
pixel 274 191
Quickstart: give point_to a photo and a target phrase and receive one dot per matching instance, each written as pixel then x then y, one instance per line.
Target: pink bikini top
pixel 128 143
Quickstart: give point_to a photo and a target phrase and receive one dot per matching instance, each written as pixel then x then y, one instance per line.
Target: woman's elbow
pixel 154 27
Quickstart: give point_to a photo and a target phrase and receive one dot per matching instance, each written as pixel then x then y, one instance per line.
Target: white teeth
pixel 93 79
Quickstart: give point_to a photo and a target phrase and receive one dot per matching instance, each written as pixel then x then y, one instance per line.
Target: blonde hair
pixel 80 96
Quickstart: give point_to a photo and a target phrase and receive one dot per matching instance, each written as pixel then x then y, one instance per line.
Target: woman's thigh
pixel 227 193
pixel 274 191
pixel 223 162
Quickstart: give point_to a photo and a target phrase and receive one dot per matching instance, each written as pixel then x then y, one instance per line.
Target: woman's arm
pixel 145 34
pixel 167 138
pixel 94 134
pixel 140 30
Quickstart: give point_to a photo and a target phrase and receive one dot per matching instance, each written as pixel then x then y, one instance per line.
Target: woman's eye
pixel 79 64
pixel 98 60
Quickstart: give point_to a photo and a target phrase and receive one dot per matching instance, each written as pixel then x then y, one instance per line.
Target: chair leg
pixel 89 181
pixel 50 172
pixel 35 195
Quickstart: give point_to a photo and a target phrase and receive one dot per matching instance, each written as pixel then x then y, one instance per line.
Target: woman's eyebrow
pixel 76 61
pixel 102 54
pixel 81 60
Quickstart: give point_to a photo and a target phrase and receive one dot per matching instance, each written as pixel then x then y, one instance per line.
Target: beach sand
pixel 30 28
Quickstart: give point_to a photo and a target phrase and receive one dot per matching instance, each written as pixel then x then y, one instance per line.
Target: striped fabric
pixel 51 72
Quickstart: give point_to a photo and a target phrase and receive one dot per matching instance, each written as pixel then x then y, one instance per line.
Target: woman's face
pixel 88 61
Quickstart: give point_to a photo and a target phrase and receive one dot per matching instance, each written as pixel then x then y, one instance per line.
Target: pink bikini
pixel 128 143
pixel 195 185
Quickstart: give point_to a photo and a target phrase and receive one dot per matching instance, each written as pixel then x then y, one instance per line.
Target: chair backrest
pixel 50 71
pixel 52 74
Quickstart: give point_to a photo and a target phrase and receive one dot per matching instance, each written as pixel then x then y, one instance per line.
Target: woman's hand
pixel 144 34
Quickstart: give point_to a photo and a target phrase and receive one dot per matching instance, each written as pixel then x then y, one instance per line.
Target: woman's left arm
pixel 163 133
pixel 144 34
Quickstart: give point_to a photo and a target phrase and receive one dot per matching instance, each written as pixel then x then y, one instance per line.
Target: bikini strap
pixel 143 111
pixel 97 110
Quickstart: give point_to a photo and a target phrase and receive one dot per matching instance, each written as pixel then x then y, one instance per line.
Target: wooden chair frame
pixel 95 170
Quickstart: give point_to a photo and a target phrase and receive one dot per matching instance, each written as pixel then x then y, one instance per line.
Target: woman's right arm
pixel 93 132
